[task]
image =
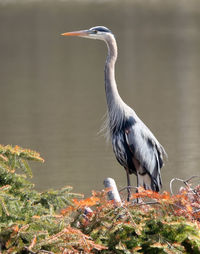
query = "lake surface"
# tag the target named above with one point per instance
(52, 95)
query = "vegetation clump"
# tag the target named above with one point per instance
(59, 221)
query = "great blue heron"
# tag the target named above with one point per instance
(134, 145)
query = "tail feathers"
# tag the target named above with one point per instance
(149, 183)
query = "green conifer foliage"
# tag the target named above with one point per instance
(59, 221)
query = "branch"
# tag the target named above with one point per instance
(183, 181)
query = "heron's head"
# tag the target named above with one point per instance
(97, 32)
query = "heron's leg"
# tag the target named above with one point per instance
(137, 182)
(138, 185)
(128, 184)
(138, 200)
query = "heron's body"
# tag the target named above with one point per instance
(134, 145)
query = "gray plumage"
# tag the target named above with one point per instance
(134, 145)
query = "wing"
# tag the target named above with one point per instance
(122, 152)
(146, 150)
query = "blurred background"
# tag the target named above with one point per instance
(52, 96)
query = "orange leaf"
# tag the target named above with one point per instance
(36, 217)
(189, 208)
(15, 228)
(67, 210)
(86, 202)
(33, 242)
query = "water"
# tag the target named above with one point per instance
(52, 88)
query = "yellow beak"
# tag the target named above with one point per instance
(76, 33)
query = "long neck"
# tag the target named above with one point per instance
(114, 101)
(112, 95)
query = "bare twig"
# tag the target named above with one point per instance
(45, 251)
(148, 203)
(197, 211)
(126, 187)
(38, 252)
(186, 182)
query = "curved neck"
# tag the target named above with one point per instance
(112, 95)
